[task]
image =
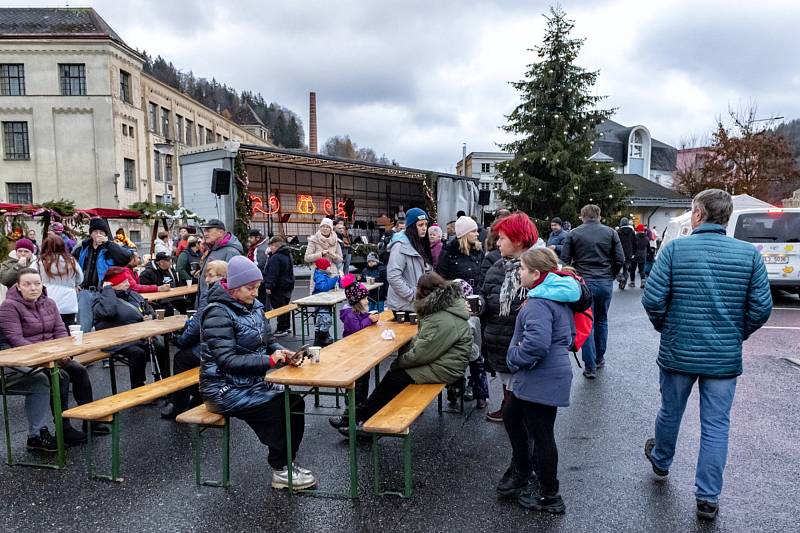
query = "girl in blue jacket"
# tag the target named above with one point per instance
(538, 358)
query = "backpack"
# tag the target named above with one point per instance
(582, 315)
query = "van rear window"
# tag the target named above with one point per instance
(768, 227)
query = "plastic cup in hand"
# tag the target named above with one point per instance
(77, 337)
(160, 314)
(314, 352)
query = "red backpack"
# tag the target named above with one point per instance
(582, 314)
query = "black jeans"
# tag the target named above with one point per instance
(137, 355)
(269, 422)
(637, 263)
(279, 298)
(526, 421)
(185, 360)
(390, 386)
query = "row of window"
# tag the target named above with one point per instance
(71, 77)
(130, 170)
(184, 128)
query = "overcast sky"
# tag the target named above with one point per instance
(414, 79)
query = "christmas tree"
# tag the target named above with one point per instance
(550, 174)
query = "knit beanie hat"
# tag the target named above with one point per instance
(355, 292)
(25, 243)
(372, 256)
(464, 225)
(640, 228)
(101, 224)
(556, 220)
(326, 222)
(466, 288)
(57, 227)
(322, 263)
(242, 271)
(414, 214)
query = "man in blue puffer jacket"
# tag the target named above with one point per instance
(706, 294)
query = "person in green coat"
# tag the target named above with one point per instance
(438, 354)
(190, 255)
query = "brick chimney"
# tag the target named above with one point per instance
(312, 122)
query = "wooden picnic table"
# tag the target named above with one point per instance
(325, 299)
(341, 364)
(47, 353)
(172, 293)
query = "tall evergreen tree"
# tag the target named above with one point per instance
(550, 174)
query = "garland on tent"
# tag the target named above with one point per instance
(429, 188)
(244, 205)
(152, 210)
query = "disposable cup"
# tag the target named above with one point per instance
(74, 328)
(77, 337)
(412, 318)
(160, 314)
(189, 282)
(314, 352)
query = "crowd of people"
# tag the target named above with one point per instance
(497, 301)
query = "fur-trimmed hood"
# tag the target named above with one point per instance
(447, 298)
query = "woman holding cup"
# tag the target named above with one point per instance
(28, 316)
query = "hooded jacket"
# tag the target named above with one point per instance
(236, 342)
(556, 239)
(706, 294)
(184, 265)
(316, 245)
(453, 264)
(119, 308)
(324, 281)
(627, 237)
(538, 356)
(279, 273)
(153, 275)
(442, 348)
(9, 269)
(488, 262)
(61, 289)
(405, 268)
(223, 250)
(95, 263)
(24, 322)
(353, 321)
(379, 273)
(133, 279)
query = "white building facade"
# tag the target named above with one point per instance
(483, 165)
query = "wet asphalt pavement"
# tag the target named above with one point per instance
(605, 479)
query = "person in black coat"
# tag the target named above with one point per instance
(639, 255)
(159, 272)
(279, 281)
(376, 269)
(117, 305)
(628, 239)
(461, 258)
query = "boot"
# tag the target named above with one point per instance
(497, 416)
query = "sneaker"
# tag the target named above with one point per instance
(170, 411)
(512, 483)
(45, 442)
(468, 395)
(360, 433)
(600, 363)
(495, 416)
(281, 333)
(632, 284)
(641, 285)
(659, 473)
(452, 395)
(538, 502)
(707, 510)
(480, 403)
(338, 422)
(589, 373)
(622, 285)
(74, 437)
(301, 478)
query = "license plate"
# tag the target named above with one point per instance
(776, 259)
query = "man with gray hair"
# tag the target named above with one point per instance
(595, 251)
(706, 294)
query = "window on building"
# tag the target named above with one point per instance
(156, 165)
(130, 174)
(486, 167)
(19, 193)
(124, 130)
(225, 139)
(73, 79)
(152, 117)
(12, 79)
(635, 150)
(219, 138)
(15, 141)
(136, 236)
(168, 168)
(165, 122)
(209, 136)
(130, 132)
(159, 199)
(125, 87)
(201, 135)
(179, 128)
(189, 132)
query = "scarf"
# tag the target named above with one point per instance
(512, 288)
(251, 251)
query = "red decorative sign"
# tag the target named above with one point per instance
(258, 205)
(340, 211)
(305, 204)
(327, 207)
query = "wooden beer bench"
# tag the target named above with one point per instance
(202, 419)
(107, 411)
(394, 420)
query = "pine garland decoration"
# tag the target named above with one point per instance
(244, 206)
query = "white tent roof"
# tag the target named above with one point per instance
(745, 201)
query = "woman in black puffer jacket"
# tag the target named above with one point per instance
(238, 349)
(461, 257)
(503, 292)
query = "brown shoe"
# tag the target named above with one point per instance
(497, 416)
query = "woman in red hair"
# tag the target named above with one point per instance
(504, 293)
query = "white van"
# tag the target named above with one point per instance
(775, 232)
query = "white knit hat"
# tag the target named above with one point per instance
(326, 222)
(464, 225)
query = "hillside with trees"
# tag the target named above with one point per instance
(343, 146)
(285, 127)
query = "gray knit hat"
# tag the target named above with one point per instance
(242, 271)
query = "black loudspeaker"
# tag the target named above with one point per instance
(221, 181)
(484, 197)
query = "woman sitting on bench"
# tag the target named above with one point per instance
(238, 349)
(438, 354)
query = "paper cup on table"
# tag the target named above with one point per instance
(400, 316)
(77, 337)
(74, 328)
(314, 352)
(370, 280)
(189, 282)
(160, 314)
(412, 318)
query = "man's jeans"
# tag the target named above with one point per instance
(716, 398)
(86, 300)
(594, 349)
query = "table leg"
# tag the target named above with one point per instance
(61, 460)
(351, 415)
(335, 323)
(287, 409)
(9, 459)
(303, 318)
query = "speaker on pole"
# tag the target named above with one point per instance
(484, 197)
(221, 181)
